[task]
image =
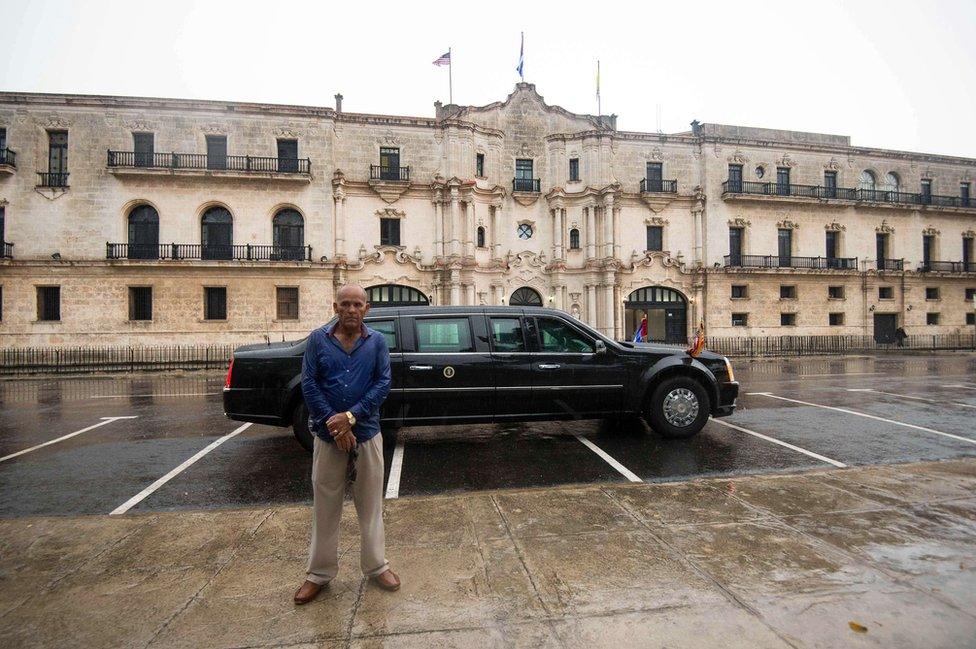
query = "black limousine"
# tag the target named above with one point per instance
(463, 365)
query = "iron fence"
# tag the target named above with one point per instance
(790, 261)
(49, 179)
(245, 252)
(73, 360)
(834, 344)
(380, 172)
(526, 185)
(947, 267)
(246, 163)
(8, 157)
(8, 250)
(844, 193)
(658, 185)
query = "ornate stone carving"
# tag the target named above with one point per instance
(288, 132)
(214, 129)
(390, 213)
(738, 157)
(57, 122)
(835, 227)
(656, 220)
(391, 138)
(739, 222)
(931, 231)
(969, 233)
(786, 161)
(656, 155)
(884, 228)
(787, 224)
(526, 258)
(139, 124)
(832, 164)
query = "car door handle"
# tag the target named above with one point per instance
(420, 368)
(548, 366)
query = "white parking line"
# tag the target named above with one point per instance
(624, 471)
(396, 466)
(127, 396)
(864, 414)
(107, 420)
(816, 456)
(135, 500)
(964, 387)
(908, 396)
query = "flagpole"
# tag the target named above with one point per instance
(450, 77)
(599, 110)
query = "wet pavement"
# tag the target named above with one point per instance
(878, 556)
(170, 438)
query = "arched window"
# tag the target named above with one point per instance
(574, 239)
(289, 235)
(143, 232)
(217, 234)
(525, 296)
(481, 236)
(666, 311)
(892, 182)
(395, 295)
(867, 180)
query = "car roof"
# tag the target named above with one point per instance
(446, 309)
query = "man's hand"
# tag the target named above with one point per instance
(345, 441)
(338, 424)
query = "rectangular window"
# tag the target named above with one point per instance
(506, 335)
(739, 291)
(389, 163)
(931, 292)
(555, 336)
(143, 144)
(735, 246)
(655, 176)
(288, 156)
(931, 318)
(479, 165)
(1, 303)
(523, 176)
(735, 178)
(573, 169)
(831, 247)
(928, 248)
(881, 249)
(835, 319)
(835, 292)
(787, 292)
(389, 232)
(140, 303)
(287, 299)
(926, 190)
(970, 294)
(886, 293)
(783, 181)
(830, 184)
(970, 318)
(3, 138)
(967, 255)
(787, 319)
(655, 237)
(57, 158)
(215, 303)
(785, 239)
(49, 303)
(963, 192)
(216, 152)
(444, 335)
(388, 329)
(740, 319)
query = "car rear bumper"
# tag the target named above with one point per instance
(240, 405)
(727, 394)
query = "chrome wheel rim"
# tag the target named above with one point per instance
(680, 407)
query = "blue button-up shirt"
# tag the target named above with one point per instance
(334, 380)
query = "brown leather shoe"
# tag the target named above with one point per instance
(387, 580)
(307, 592)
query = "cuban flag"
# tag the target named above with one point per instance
(640, 335)
(521, 65)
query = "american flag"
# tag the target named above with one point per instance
(443, 59)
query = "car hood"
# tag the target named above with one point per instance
(674, 350)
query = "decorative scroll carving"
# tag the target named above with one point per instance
(390, 213)
(57, 122)
(969, 233)
(290, 132)
(656, 155)
(214, 129)
(739, 222)
(391, 138)
(787, 224)
(786, 161)
(525, 258)
(738, 157)
(832, 164)
(884, 228)
(656, 220)
(931, 231)
(835, 227)
(140, 124)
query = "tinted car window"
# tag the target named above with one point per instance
(506, 335)
(443, 335)
(557, 336)
(388, 329)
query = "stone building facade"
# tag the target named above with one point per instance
(157, 221)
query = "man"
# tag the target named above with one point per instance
(345, 378)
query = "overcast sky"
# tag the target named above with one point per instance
(890, 74)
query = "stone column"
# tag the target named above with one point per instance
(608, 226)
(557, 234)
(608, 324)
(590, 232)
(591, 305)
(496, 218)
(469, 290)
(698, 237)
(340, 225)
(455, 286)
(469, 224)
(438, 227)
(455, 218)
(618, 328)
(496, 294)
(616, 231)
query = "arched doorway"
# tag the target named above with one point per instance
(395, 295)
(525, 296)
(143, 232)
(666, 310)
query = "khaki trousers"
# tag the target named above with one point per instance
(328, 488)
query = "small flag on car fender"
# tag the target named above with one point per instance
(698, 344)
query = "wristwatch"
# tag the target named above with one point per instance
(351, 418)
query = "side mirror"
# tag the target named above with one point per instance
(601, 347)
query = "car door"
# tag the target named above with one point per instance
(511, 366)
(447, 369)
(572, 379)
(391, 410)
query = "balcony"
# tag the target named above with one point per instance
(734, 188)
(658, 186)
(776, 261)
(392, 174)
(191, 251)
(55, 180)
(947, 267)
(527, 185)
(138, 162)
(8, 161)
(8, 251)
(890, 264)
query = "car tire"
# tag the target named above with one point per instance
(299, 423)
(678, 407)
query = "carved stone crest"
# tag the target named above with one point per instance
(738, 157)
(787, 224)
(884, 228)
(930, 231)
(739, 222)
(656, 220)
(832, 164)
(57, 122)
(391, 138)
(786, 161)
(835, 227)
(213, 129)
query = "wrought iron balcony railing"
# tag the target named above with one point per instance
(890, 264)
(8, 157)
(948, 267)
(8, 250)
(245, 163)
(526, 185)
(844, 193)
(379, 172)
(48, 179)
(656, 185)
(191, 251)
(792, 261)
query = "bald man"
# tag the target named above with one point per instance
(345, 379)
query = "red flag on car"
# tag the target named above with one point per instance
(698, 344)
